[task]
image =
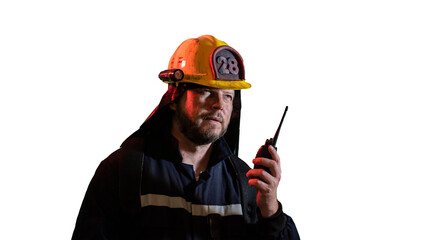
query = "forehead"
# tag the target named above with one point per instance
(218, 90)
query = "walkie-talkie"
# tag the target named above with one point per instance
(263, 150)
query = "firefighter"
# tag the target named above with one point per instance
(179, 176)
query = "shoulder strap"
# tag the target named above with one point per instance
(248, 193)
(130, 181)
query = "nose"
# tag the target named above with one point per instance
(217, 102)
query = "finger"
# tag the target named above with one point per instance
(254, 173)
(271, 164)
(277, 168)
(265, 162)
(260, 174)
(261, 186)
(274, 153)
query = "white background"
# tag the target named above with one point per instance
(78, 77)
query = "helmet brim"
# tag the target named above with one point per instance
(233, 85)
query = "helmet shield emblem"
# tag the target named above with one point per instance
(227, 64)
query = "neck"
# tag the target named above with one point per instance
(193, 154)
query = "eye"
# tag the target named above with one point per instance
(229, 97)
(203, 91)
(206, 91)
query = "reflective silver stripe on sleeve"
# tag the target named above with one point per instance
(194, 209)
(223, 210)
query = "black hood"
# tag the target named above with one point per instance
(162, 115)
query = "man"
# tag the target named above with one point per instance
(178, 176)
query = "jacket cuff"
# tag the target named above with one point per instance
(272, 226)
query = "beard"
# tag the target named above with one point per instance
(195, 132)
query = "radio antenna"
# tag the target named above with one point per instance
(276, 136)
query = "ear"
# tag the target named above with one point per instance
(174, 104)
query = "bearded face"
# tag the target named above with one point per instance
(203, 114)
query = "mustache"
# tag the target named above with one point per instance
(213, 116)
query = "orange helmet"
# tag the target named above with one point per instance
(206, 61)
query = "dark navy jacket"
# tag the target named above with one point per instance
(170, 202)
